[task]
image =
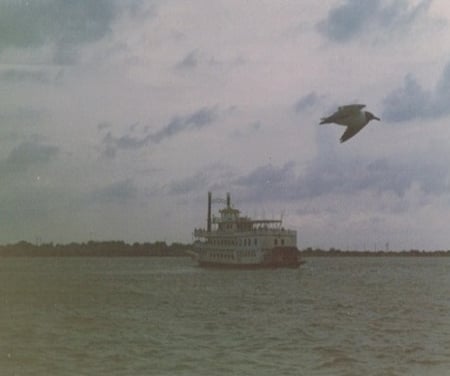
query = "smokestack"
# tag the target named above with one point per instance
(228, 200)
(208, 228)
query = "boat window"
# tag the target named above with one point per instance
(276, 242)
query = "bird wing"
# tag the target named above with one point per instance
(350, 108)
(350, 132)
(343, 113)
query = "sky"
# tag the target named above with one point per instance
(118, 116)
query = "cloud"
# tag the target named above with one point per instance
(112, 144)
(353, 18)
(21, 116)
(307, 101)
(330, 175)
(202, 61)
(270, 182)
(103, 125)
(411, 101)
(340, 175)
(189, 184)
(199, 119)
(27, 155)
(190, 61)
(334, 175)
(441, 98)
(117, 192)
(348, 19)
(27, 75)
(246, 132)
(33, 23)
(65, 25)
(26, 205)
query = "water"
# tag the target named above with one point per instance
(152, 316)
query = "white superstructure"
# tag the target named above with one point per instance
(231, 240)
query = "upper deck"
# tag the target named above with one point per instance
(230, 223)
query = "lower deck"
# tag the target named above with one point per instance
(249, 259)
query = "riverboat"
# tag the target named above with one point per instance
(240, 242)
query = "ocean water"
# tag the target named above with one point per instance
(166, 316)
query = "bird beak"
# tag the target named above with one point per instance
(376, 118)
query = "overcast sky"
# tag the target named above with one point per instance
(118, 116)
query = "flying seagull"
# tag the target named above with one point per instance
(352, 117)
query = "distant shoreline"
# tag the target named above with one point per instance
(161, 249)
(411, 253)
(95, 249)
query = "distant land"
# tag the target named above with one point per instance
(161, 249)
(333, 252)
(95, 249)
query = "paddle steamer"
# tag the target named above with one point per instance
(234, 241)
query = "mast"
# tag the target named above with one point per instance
(208, 227)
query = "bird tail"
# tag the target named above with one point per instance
(323, 120)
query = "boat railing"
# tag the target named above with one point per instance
(201, 232)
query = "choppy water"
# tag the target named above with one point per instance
(149, 316)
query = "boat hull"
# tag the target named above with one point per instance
(287, 257)
(215, 265)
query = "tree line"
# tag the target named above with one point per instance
(162, 249)
(334, 252)
(94, 249)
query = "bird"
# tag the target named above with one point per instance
(352, 117)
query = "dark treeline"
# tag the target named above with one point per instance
(94, 249)
(161, 249)
(332, 252)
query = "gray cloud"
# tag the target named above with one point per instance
(112, 144)
(117, 192)
(411, 101)
(356, 17)
(307, 101)
(189, 184)
(213, 177)
(197, 120)
(27, 155)
(103, 125)
(21, 116)
(346, 176)
(328, 175)
(27, 75)
(246, 131)
(270, 182)
(406, 103)
(190, 61)
(441, 100)
(337, 175)
(26, 205)
(348, 19)
(64, 24)
(32, 23)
